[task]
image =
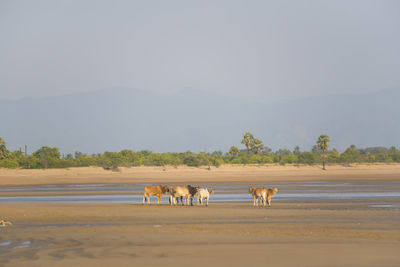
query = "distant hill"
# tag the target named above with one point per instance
(193, 120)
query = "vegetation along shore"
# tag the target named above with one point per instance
(255, 152)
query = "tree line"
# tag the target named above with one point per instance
(254, 152)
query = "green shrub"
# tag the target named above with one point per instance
(9, 163)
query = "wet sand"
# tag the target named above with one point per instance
(340, 232)
(313, 233)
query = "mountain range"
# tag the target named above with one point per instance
(123, 118)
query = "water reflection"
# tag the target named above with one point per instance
(225, 192)
(214, 198)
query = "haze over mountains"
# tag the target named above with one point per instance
(121, 118)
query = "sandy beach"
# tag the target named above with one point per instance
(340, 232)
(183, 174)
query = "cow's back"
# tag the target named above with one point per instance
(203, 193)
(153, 189)
(178, 190)
(259, 191)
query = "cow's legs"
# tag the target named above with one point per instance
(144, 198)
(174, 200)
(207, 202)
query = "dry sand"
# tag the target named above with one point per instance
(266, 173)
(290, 233)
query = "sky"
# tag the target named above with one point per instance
(259, 50)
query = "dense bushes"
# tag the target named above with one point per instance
(50, 157)
(8, 163)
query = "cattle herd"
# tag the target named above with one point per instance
(186, 194)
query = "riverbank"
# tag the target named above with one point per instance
(183, 174)
(311, 233)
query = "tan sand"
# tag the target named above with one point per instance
(223, 234)
(267, 173)
(290, 233)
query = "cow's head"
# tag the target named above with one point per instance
(193, 190)
(165, 189)
(210, 190)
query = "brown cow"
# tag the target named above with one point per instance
(267, 194)
(154, 190)
(256, 193)
(264, 193)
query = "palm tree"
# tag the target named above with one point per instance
(258, 146)
(323, 145)
(248, 140)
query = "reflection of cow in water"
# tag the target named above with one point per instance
(154, 190)
(179, 192)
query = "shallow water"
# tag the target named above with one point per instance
(75, 188)
(214, 198)
(136, 188)
(384, 206)
(224, 192)
(10, 245)
(5, 243)
(23, 244)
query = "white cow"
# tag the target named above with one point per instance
(204, 193)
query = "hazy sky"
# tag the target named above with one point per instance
(262, 50)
